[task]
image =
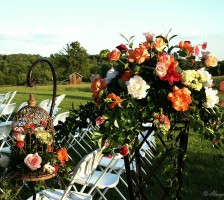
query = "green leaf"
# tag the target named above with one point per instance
(124, 37)
(172, 37)
(116, 123)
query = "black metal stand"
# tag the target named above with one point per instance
(30, 81)
(138, 192)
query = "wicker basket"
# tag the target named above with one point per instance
(37, 177)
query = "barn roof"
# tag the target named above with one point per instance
(76, 74)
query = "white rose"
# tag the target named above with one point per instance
(137, 87)
(110, 75)
(211, 98)
(48, 168)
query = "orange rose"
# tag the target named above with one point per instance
(114, 55)
(62, 155)
(211, 61)
(96, 87)
(180, 98)
(160, 44)
(187, 46)
(165, 58)
(144, 45)
(221, 87)
(138, 55)
(116, 100)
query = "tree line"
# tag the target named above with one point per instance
(72, 58)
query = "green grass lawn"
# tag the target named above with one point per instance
(75, 94)
(204, 164)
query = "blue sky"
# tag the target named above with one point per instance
(45, 26)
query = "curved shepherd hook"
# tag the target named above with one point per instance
(30, 81)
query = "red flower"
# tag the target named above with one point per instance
(99, 120)
(221, 103)
(56, 169)
(43, 123)
(20, 144)
(123, 150)
(50, 148)
(172, 76)
(221, 87)
(122, 47)
(204, 45)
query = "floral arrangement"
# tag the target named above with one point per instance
(33, 149)
(169, 86)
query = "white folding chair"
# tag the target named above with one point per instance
(60, 117)
(2, 98)
(7, 111)
(43, 104)
(119, 166)
(84, 169)
(58, 100)
(92, 179)
(8, 99)
(5, 129)
(22, 105)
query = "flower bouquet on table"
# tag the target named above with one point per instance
(169, 86)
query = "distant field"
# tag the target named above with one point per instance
(75, 94)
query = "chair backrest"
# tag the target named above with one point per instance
(60, 117)
(7, 111)
(5, 129)
(2, 98)
(44, 103)
(85, 168)
(22, 105)
(6, 98)
(9, 97)
(58, 100)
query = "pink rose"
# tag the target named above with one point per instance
(123, 150)
(18, 129)
(196, 50)
(33, 161)
(99, 120)
(149, 36)
(18, 136)
(161, 122)
(161, 69)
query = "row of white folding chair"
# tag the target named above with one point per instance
(5, 130)
(6, 112)
(86, 175)
(60, 118)
(145, 151)
(6, 99)
(58, 101)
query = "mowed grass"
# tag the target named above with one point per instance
(204, 164)
(75, 94)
